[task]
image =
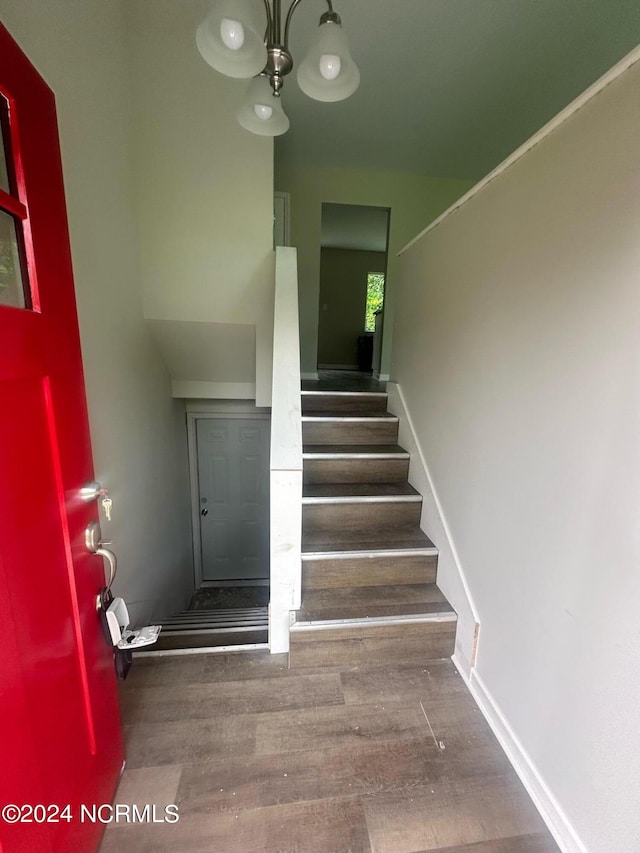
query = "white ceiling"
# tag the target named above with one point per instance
(450, 87)
(354, 226)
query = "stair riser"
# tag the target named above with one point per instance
(389, 644)
(338, 404)
(363, 517)
(367, 571)
(350, 432)
(371, 602)
(355, 470)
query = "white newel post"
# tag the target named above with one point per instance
(286, 454)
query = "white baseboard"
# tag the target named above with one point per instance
(457, 591)
(311, 376)
(550, 809)
(451, 577)
(381, 377)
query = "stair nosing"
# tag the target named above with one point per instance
(361, 419)
(242, 629)
(149, 652)
(361, 499)
(368, 622)
(309, 454)
(370, 553)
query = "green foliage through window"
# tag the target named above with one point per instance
(375, 298)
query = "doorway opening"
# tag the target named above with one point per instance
(353, 263)
(229, 482)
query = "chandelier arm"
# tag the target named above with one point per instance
(267, 35)
(292, 9)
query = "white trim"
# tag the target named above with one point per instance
(375, 622)
(425, 467)
(550, 809)
(617, 71)
(369, 554)
(246, 408)
(204, 650)
(396, 397)
(286, 210)
(182, 388)
(381, 377)
(311, 376)
(192, 454)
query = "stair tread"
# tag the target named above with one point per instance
(385, 539)
(348, 490)
(355, 449)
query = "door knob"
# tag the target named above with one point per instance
(204, 512)
(94, 545)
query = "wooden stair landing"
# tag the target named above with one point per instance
(368, 570)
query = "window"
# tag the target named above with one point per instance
(14, 283)
(375, 299)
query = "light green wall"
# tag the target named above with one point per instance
(414, 201)
(343, 296)
(204, 187)
(518, 355)
(137, 429)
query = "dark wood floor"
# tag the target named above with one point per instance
(262, 759)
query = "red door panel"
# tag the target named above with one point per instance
(60, 737)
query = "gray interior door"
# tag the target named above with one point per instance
(233, 494)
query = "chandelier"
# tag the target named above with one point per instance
(232, 42)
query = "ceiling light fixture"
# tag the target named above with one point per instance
(230, 40)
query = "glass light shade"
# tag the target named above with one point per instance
(237, 51)
(261, 112)
(316, 73)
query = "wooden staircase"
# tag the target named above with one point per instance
(368, 571)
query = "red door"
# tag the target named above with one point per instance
(60, 738)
